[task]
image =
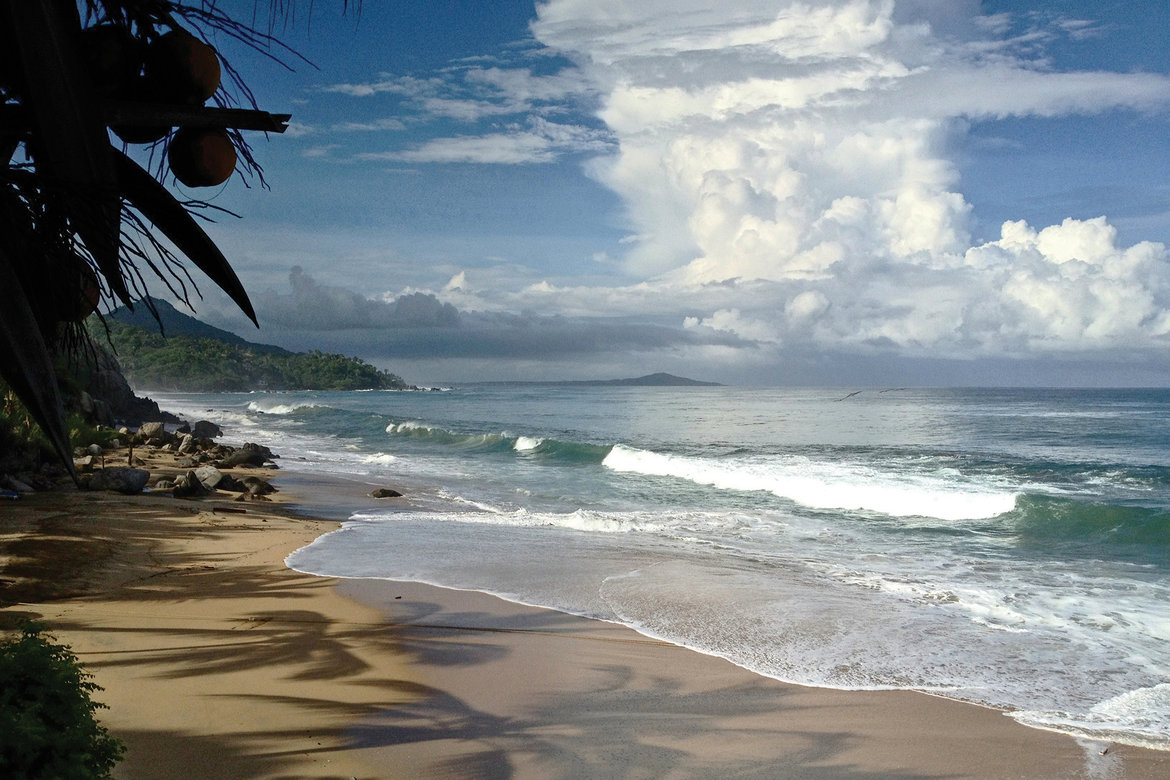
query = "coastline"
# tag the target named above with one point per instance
(218, 660)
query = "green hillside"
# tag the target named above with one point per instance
(186, 363)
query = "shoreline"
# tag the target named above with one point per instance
(216, 659)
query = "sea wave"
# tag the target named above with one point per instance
(945, 495)
(502, 441)
(269, 406)
(1090, 529)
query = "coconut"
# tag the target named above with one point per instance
(182, 68)
(82, 293)
(201, 157)
(114, 57)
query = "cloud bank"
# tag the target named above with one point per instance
(801, 151)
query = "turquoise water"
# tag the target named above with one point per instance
(1007, 547)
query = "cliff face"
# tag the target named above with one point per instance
(95, 387)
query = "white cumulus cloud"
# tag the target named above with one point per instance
(800, 152)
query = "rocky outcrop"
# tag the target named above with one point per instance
(104, 397)
(385, 493)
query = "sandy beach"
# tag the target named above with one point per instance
(216, 660)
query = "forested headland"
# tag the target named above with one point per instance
(185, 363)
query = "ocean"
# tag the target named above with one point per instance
(1005, 547)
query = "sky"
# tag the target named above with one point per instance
(823, 192)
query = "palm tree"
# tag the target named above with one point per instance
(80, 221)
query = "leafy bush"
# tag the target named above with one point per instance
(47, 724)
(21, 439)
(22, 443)
(82, 434)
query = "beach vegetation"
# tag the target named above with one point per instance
(48, 727)
(22, 441)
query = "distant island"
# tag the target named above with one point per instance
(199, 358)
(659, 379)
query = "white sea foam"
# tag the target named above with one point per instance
(527, 443)
(1140, 717)
(827, 485)
(269, 406)
(380, 459)
(406, 427)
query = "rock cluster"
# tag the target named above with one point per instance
(195, 450)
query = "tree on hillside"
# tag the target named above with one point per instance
(81, 222)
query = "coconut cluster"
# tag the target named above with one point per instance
(174, 69)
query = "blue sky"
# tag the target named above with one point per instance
(856, 192)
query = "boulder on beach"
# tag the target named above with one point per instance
(206, 430)
(256, 486)
(210, 476)
(249, 455)
(189, 486)
(385, 493)
(119, 479)
(231, 483)
(15, 484)
(152, 433)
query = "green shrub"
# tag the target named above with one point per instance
(82, 434)
(47, 724)
(21, 439)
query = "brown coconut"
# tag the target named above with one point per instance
(201, 157)
(114, 57)
(82, 292)
(182, 69)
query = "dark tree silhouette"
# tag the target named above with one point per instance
(81, 222)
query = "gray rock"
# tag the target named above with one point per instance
(206, 430)
(94, 449)
(210, 476)
(188, 486)
(186, 443)
(257, 487)
(120, 479)
(152, 433)
(251, 455)
(231, 483)
(385, 493)
(13, 483)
